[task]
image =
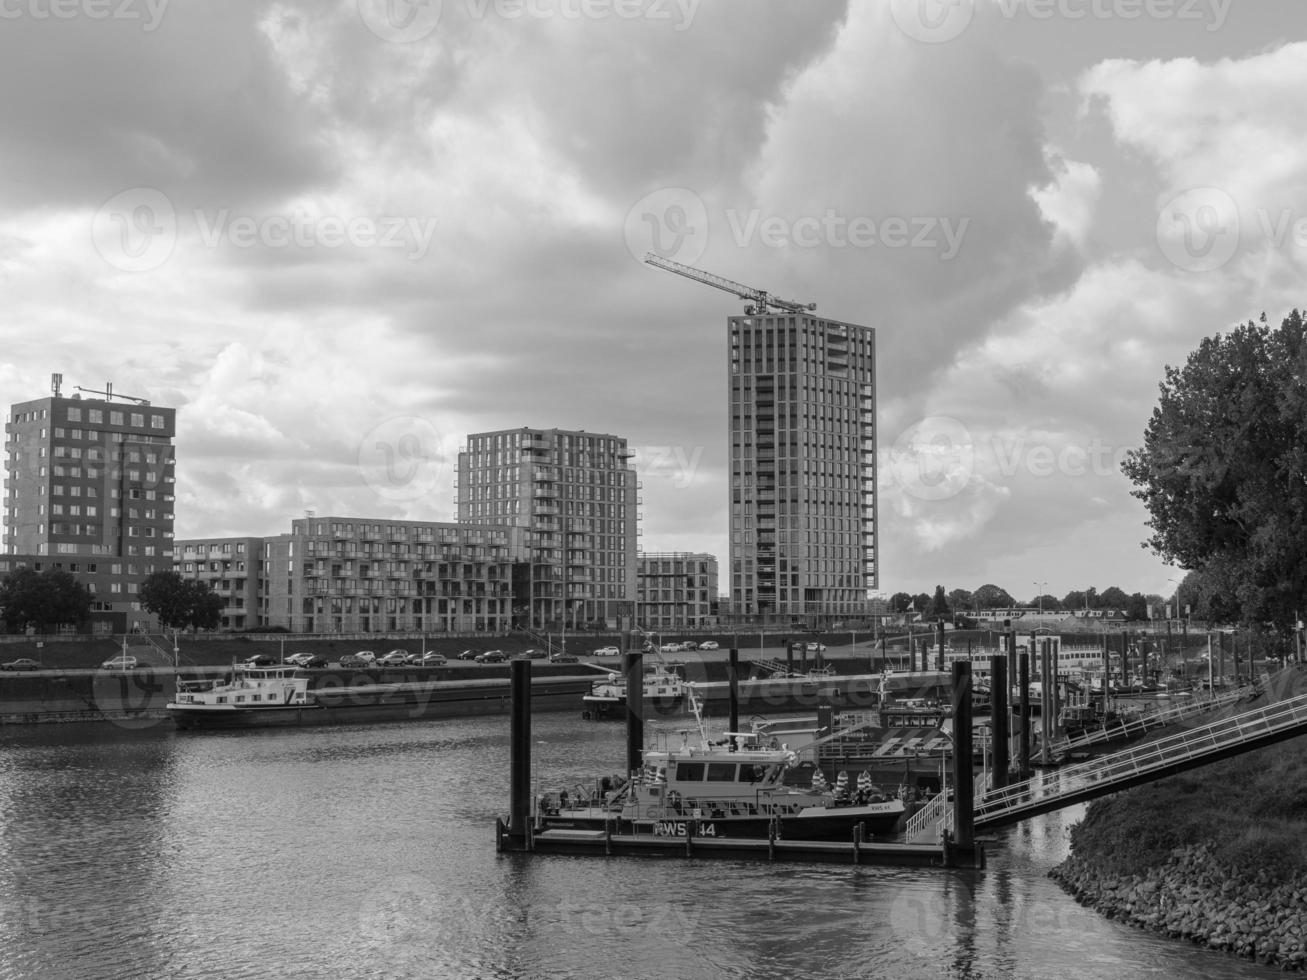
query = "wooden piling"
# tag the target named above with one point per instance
(519, 749)
(634, 711)
(1023, 683)
(733, 685)
(1001, 717)
(964, 786)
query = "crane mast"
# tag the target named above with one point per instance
(109, 393)
(759, 300)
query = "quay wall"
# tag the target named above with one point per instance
(1193, 897)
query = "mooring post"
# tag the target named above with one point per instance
(1002, 720)
(964, 777)
(519, 749)
(1125, 659)
(634, 711)
(939, 641)
(912, 653)
(1010, 641)
(1023, 685)
(789, 657)
(1044, 701)
(1107, 674)
(733, 687)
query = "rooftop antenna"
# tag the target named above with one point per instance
(55, 381)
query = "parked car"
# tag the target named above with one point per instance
(367, 656)
(433, 659)
(671, 648)
(259, 660)
(533, 654)
(709, 645)
(120, 663)
(608, 652)
(354, 661)
(395, 658)
(818, 647)
(314, 661)
(689, 645)
(468, 655)
(563, 658)
(491, 657)
(22, 663)
(302, 658)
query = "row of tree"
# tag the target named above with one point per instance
(47, 600)
(959, 602)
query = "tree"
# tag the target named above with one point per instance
(1136, 607)
(921, 603)
(992, 597)
(181, 603)
(1223, 467)
(43, 600)
(938, 608)
(899, 602)
(960, 600)
(1113, 598)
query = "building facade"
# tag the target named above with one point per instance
(363, 575)
(90, 486)
(675, 589)
(573, 494)
(803, 517)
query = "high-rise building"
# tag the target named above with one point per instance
(575, 494)
(803, 466)
(92, 478)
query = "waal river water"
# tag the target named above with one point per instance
(368, 851)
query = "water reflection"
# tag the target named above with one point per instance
(368, 851)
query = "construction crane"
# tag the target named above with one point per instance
(109, 394)
(759, 300)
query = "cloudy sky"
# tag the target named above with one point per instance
(339, 235)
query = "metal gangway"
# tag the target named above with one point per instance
(1139, 724)
(1054, 789)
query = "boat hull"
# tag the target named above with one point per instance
(817, 824)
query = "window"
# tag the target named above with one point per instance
(74, 414)
(138, 420)
(156, 421)
(115, 418)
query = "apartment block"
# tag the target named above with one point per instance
(574, 496)
(90, 485)
(803, 519)
(676, 589)
(231, 567)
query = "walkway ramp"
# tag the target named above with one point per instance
(1055, 789)
(1140, 724)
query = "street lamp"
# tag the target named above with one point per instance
(1041, 586)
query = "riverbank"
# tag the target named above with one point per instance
(1217, 856)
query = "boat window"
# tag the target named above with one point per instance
(753, 774)
(222, 700)
(721, 772)
(689, 771)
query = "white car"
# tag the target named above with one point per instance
(608, 652)
(120, 663)
(367, 656)
(709, 645)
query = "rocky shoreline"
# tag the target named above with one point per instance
(1192, 897)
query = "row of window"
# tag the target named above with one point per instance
(96, 417)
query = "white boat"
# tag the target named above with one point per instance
(663, 691)
(732, 787)
(248, 696)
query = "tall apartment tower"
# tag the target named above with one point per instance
(90, 488)
(803, 466)
(575, 494)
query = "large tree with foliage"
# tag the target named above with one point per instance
(939, 608)
(181, 603)
(43, 600)
(1223, 467)
(992, 597)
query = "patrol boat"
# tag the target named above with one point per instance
(732, 787)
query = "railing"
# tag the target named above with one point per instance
(1105, 774)
(931, 821)
(1126, 727)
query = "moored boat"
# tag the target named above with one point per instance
(247, 697)
(732, 787)
(663, 690)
